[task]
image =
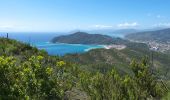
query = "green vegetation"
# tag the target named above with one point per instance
(85, 38)
(94, 60)
(27, 73)
(31, 74)
(111, 86)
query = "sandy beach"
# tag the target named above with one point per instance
(118, 47)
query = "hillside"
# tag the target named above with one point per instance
(85, 38)
(157, 36)
(94, 60)
(31, 74)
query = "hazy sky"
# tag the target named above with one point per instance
(65, 15)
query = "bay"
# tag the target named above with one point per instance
(62, 48)
(42, 41)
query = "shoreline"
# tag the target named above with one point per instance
(118, 47)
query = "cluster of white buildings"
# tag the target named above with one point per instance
(159, 46)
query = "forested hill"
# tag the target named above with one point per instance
(85, 38)
(31, 74)
(104, 60)
(158, 36)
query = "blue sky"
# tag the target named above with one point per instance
(67, 15)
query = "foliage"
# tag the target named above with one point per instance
(29, 79)
(104, 60)
(111, 86)
(29, 73)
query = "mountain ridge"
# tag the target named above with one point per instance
(85, 38)
(162, 35)
(103, 60)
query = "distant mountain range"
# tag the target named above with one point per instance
(158, 36)
(85, 38)
(121, 33)
(111, 31)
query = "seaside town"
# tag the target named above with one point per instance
(156, 46)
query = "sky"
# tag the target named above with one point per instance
(67, 15)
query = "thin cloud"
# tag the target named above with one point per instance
(162, 25)
(102, 26)
(127, 25)
(5, 27)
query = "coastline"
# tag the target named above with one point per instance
(118, 47)
(64, 48)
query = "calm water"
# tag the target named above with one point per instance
(41, 41)
(61, 48)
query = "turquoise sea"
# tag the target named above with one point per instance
(62, 48)
(41, 41)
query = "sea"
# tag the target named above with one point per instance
(41, 40)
